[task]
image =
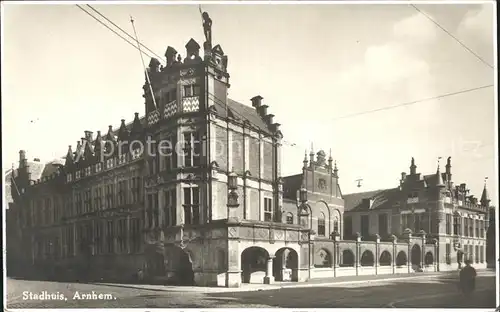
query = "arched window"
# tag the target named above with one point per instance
(336, 225)
(289, 218)
(321, 224)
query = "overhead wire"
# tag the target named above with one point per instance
(452, 36)
(126, 33)
(412, 102)
(116, 33)
(220, 102)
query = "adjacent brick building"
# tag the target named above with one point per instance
(432, 205)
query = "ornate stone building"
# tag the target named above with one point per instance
(192, 193)
(430, 206)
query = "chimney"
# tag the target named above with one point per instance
(269, 119)
(256, 101)
(262, 110)
(22, 158)
(403, 176)
(36, 159)
(276, 127)
(88, 136)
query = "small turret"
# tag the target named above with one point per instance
(439, 178)
(305, 161)
(69, 157)
(335, 170)
(485, 197)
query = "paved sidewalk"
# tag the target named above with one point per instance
(347, 280)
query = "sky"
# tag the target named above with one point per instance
(314, 64)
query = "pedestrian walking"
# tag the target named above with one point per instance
(468, 278)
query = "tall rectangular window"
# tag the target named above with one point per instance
(149, 211)
(135, 235)
(471, 231)
(347, 226)
(110, 194)
(466, 226)
(78, 203)
(476, 254)
(136, 190)
(122, 236)
(170, 207)
(365, 226)
(109, 237)
(448, 253)
(416, 222)
(289, 218)
(122, 195)
(448, 223)
(476, 223)
(167, 151)
(268, 209)
(321, 225)
(481, 228)
(192, 149)
(191, 205)
(383, 224)
(456, 225)
(404, 222)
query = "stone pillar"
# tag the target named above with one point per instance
(269, 278)
(358, 252)
(377, 253)
(422, 256)
(394, 253)
(233, 274)
(409, 262)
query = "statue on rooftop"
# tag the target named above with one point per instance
(207, 27)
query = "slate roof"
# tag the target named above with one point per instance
(383, 199)
(431, 179)
(242, 112)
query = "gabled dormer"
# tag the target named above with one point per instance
(192, 52)
(69, 163)
(137, 130)
(98, 144)
(110, 142)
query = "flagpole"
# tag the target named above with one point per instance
(143, 65)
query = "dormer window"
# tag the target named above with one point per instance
(109, 163)
(191, 90)
(122, 159)
(136, 153)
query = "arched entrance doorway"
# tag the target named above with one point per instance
(285, 265)
(177, 265)
(416, 255)
(254, 265)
